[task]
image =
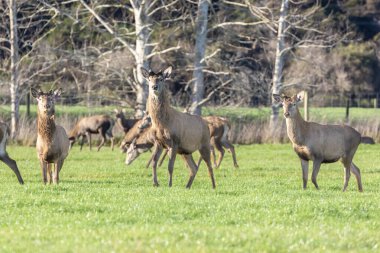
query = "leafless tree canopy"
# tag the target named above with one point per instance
(91, 48)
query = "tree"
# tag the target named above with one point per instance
(200, 48)
(279, 62)
(14, 87)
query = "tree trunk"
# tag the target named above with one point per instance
(279, 62)
(142, 50)
(200, 48)
(14, 69)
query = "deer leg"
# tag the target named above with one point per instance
(12, 165)
(112, 144)
(88, 135)
(163, 158)
(228, 145)
(48, 172)
(149, 161)
(102, 134)
(316, 167)
(156, 155)
(172, 155)
(347, 171)
(205, 153)
(58, 167)
(305, 172)
(43, 170)
(356, 172)
(219, 147)
(192, 167)
(81, 142)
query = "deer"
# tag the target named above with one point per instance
(97, 124)
(4, 157)
(52, 141)
(124, 123)
(219, 128)
(139, 141)
(176, 131)
(320, 143)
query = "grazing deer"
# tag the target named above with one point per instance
(176, 131)
(137, 140)
(124, 123)
(97, 124)
(4, 134)
(52, 141)
(320, 143)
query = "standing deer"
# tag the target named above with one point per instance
(4, 134)
(142, 141)
(320, 143)
(124, 123)
(52, 141)
(97, 124)
(219, 128)
(176, 131)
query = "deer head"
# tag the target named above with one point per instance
(46, 101)
(289, 104)
(156, 80)
(132, 153)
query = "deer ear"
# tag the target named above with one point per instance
(116, 110)
(277, 98)
(167, 72)
(34, 92)
(145, 72)
(300, 97)
(57, 93)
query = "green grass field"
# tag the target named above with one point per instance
(103, 206)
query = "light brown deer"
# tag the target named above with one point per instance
(124, 123)
(320, 143)
(176, 131)
(219, 128)
(52, 141)
(4, 134)
(142, 141)
(97, 124)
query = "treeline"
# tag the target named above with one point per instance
(333, 47)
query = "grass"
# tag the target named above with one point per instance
(103, 206)
(329, 114)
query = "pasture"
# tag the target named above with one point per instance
(102, 206)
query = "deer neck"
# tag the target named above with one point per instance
(158, 108)
(296, 128)
(46, 127)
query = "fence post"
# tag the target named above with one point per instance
(348, 109)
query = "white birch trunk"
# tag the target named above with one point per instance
(14, 69)
(142, 37)
(279, 61)
(200, 48)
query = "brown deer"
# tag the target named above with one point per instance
(176, 131)
(142, 141)
(320, 143)
(219, 128)
(97, 124)
(4, 134)
(52, 141)
(137, 140)
(124, 123)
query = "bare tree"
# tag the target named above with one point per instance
(279, 61)
(14, 87)
(200, 48)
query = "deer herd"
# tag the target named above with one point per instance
(169, 132)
